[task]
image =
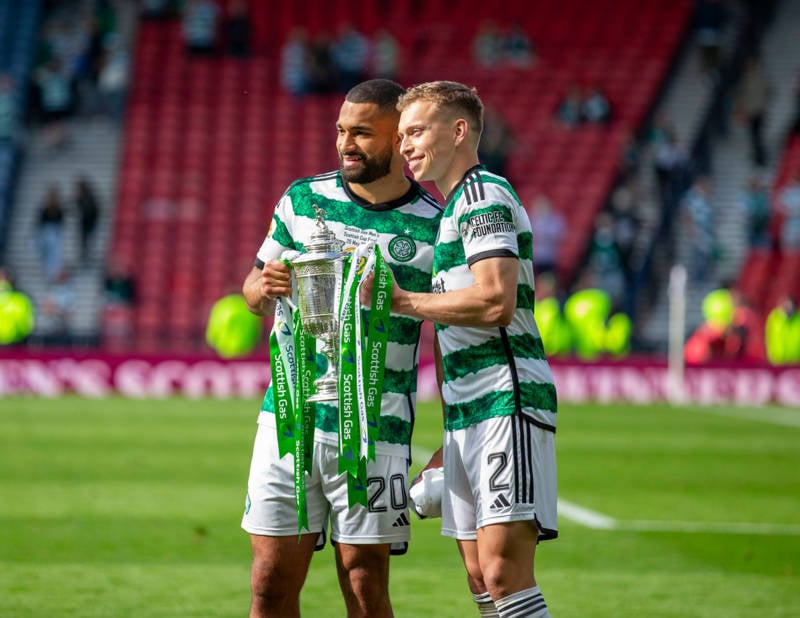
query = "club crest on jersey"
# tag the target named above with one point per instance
(402, 248)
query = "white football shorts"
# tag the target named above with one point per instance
(270, 505)
(500, 470)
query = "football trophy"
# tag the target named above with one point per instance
(319, 273)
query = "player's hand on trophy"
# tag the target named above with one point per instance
(367, 284)
(276, 280)
(365, 292)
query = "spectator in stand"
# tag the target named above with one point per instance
(55, 89)
(493, 47)
(744, 340)
(56, 309)
(549, 229)
(118, 285)
(569, 111)
(698, 214)
(322, 70)
(199, 27)
(237, 29)
(751, 106)
(351, 55)
(626, 225)
(487, 46)
(709, 21)
(517, 47)
(496, 142)
(605, 260)
(113, 80)
(670, 161)
(295, 77)
(88, 207)
(754, 205)
(385, 60)
(50, 235)
(8, 108)
(789, 209)
(631, 156)
(595, 106)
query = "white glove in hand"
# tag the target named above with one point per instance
(426, 493)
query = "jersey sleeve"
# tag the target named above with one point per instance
(488, 228)
(279, 236)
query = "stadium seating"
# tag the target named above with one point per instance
(211, 143)
(769, 274)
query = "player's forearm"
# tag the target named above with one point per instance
(468, 307)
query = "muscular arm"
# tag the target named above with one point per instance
(490, 301)
(262, 287)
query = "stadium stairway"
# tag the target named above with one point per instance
(731, 168)
(91, 150)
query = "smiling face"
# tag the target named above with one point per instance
(428, 140)
(367, 142)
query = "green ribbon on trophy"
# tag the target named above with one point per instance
(349, 426)
(305, 416)
(372, 361)
(293, 367)
(283, 369)
(361, 369)
(328, 309)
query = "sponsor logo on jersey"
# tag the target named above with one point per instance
(437, 286)
(488, 223)
(402, 248)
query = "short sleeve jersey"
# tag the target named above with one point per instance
(405, 230)
(490, 371)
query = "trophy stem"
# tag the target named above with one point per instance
(327, 385)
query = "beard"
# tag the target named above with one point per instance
(372, 168)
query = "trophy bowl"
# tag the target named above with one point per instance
(319, 273)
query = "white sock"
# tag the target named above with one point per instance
(527, 603)
(486, 608)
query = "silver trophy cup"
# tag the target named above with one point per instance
(319, 273)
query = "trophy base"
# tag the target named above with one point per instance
(327, 390)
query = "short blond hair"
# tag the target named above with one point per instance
(448, 96)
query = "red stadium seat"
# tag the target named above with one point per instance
(210, 144)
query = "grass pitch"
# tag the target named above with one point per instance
(126, 508)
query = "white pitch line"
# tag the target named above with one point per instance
(786, 417)
(585, 517)
(714, 527)
(598, 521)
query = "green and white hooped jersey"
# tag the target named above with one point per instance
(405, 230)
(490, 371)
